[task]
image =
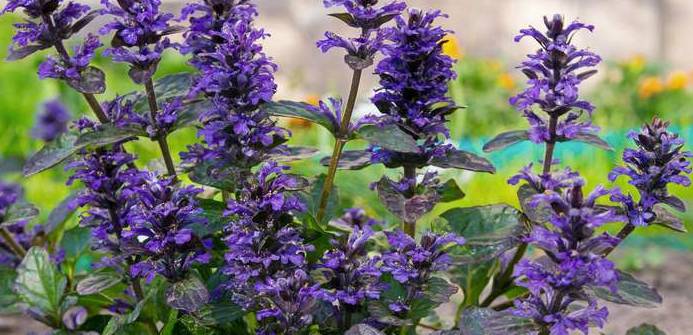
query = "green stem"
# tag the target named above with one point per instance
(622, 235)
(504, 282)
(409, 227)
(341, 139)
(14, 246)
(139, 293)
(161, 138)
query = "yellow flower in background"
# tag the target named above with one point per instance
(451, 47)
(506, 81)
(313, 100)
(649, 87)
(678, 80)
(636, 63)
(295, 123)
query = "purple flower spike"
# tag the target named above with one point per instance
(140, 35)
(369, 17)
(658, 161)
(291, 304)
(51, 122)
(414, 76)
(555, 72)
(575, 255)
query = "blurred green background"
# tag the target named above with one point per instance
(627, 93)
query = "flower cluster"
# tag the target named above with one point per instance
(49, 24)
(412, 264)
(351, 276)
(575, 260)
(369, 17)
(292, 300)
(262, 241)
(658, 161)
(414, 77)
(201, 36)
(122, 113)
(107, 179)
(160, 228)
(237, 77)
(9, 193)
(51, 122)
(140, 35)
(555, 72)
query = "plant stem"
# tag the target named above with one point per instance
(503, 283)
(410, 174)
(625, 232)
(16, 247)
(161, 138)
(139, 293)
(550, 144)
(341, 139)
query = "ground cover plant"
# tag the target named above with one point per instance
(224, 238)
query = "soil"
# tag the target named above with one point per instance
(673, 279)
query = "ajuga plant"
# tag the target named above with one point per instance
(224, 238)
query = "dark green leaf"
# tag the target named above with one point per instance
(472, 278)
(108, 134)
(7, 278)
(505, 140)
(631, 291)
(60, 213)
(345, 17)
(363, 329)
(389, 137)
(450, 191)
(190, 113)
(173, 85)
(675, 203)
(311, 197)
(458, 159)
(484, 321)
(39, 284)
(489, 230)
(75, 241)
(664, 218)
(118, 322)
(298, 110)
(213, 212)
(294, 154)
(52, 154)
(220, 313)
(593, 140)
(351, 160)
(208, 174)
(98, 282)
(189, 294)
(20, 211)
(645, 329)
(170, 325)
(91, 81)
(84, 21)
(438, 290)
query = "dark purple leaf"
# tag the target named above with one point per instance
(665, 218)
(292, 154)
(108, 134)
(23, 52)
(631, 291)
(675, 203)
(389, 137)
(363, 329)
(83, 22)
(358, 63)
(591, 139)
(91, 81)
(346, 18)
(299, 110)
(141, 75)
(52, 154)
(458, 159)
(541, 213)
(351, 160)
(60, 213)
(484, 321)
(505, 140)
(18, 212)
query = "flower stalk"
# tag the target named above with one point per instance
(161, 135)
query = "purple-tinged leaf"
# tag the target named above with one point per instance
(108, 134)
(294, 154)
(675, 203)
(346, 18)
(83, 22)
(631, 291)
(189, 114)
(98, 282)
(52, 154)
(438, 290)
(363, 329)
(23, 52)
(39, 284)
(60, 213)
(389, 137)
(208, 174)
(351, 160)
(299, 110)
(188, 295)
(665, 218)
(484, 321)
(406, 209)
(18, 212)
(590, 139)
(541, 213)
(358, 63)
(458, 159)
(505, 140)
(74, 317)
(91, 81)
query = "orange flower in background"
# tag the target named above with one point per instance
(295, 123)
(636, 63)
(650, 86)
(678, 80)
(506, 81)
(451, 47)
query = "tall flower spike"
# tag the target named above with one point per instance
(369, 17)
(160, 229)
(574, 260)
(658, 160)
(555, 72)
(237, 77)
(414, 77)
(261, 237)
(140, 35)
(51, 122)
(291, 302)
